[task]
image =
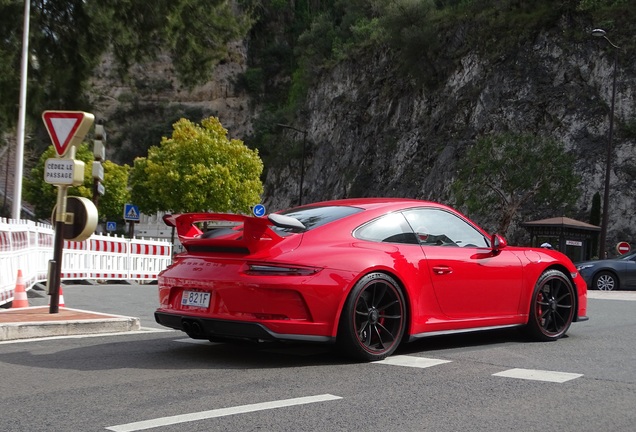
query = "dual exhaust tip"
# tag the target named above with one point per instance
(193, 328)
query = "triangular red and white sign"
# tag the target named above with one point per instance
(66, 128)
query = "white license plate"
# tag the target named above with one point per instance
(195, 298)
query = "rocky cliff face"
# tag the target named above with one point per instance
(151, 93)
(370, 133)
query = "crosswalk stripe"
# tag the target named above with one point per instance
(518, 373)
(538, 375)
(412, 361)
(221, 412)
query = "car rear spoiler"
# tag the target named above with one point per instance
(255, 233)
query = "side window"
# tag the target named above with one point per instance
(391, 228)
(437, 227)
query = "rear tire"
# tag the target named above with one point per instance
(553, 306)
(373, 320)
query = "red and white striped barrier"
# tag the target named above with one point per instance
(28, 246)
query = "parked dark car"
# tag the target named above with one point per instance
(610, 274)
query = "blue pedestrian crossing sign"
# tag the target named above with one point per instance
(259, 210)
(131, 213)
(111, 226)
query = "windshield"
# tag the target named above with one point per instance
(313, 217)
(630, 257)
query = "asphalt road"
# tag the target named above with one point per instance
(487, 381)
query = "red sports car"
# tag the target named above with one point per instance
(366, 274)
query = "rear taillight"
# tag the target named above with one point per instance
(279, 270)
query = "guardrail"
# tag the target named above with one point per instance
(28, 246)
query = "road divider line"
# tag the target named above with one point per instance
(412, 361)
(538, 375)
(221, 412)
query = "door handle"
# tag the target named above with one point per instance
(442, 270)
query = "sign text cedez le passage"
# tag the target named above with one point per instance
(58, 169)
(63, 171)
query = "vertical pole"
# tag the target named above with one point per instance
(58, 249)
(608, 163)
(95, 192)
(19, 154)
(302, 170)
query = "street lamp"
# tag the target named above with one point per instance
(19, 154)
(302, 164)
(608, 162)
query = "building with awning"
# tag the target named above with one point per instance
(578, 240)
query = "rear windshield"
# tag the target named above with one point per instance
(313, 217)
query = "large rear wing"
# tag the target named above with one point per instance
(242, 234)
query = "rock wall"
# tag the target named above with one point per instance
(370, 133)
(154, 84)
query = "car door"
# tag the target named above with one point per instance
(470, 281)
(627, 271)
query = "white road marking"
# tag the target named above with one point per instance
(612, 295)
(539, 375)
(412, 361)
(221, 412)
(194, 341)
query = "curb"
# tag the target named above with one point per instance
(91, 323)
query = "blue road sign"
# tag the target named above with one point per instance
(259, 210)
(131, 213)
(111, 226)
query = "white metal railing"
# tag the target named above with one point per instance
(28, 246)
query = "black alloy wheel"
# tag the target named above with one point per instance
(374, 318)
(553, 306)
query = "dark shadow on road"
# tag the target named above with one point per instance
(462, 341)
(174, 350)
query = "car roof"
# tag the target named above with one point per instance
(376, 203)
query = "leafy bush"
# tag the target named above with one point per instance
(197, 169)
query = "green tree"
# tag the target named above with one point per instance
(43, 196)
(507, 172)
(197, 169)
(117, 193)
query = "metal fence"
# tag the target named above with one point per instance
(28, 246)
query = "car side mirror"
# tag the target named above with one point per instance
(498, 242)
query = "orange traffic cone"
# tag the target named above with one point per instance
(61, 302)
(61, 298)
(20, 299)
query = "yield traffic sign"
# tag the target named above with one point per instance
(67, 128)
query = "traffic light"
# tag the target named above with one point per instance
(99, 152)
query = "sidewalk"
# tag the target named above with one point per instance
(37, 322)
